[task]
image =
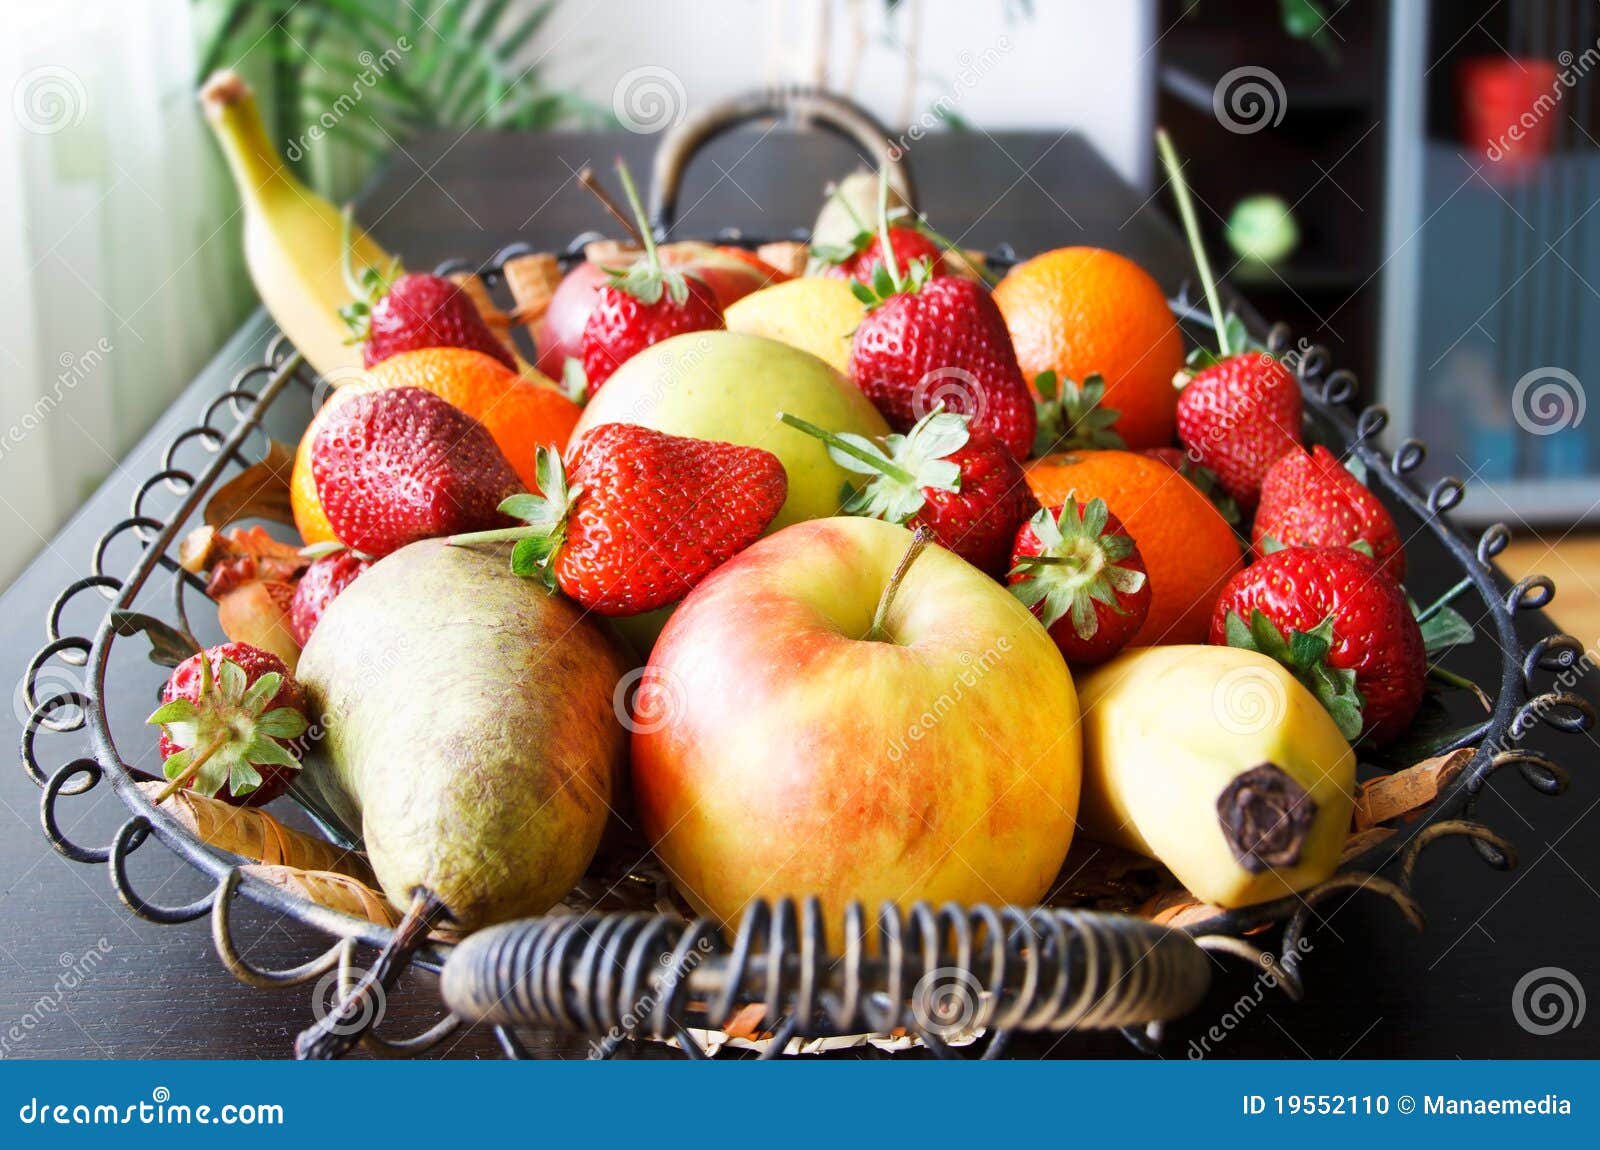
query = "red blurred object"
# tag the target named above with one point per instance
(1509, 110)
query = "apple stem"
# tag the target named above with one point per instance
(593, 187)
(919, 542)
(889, 262)
(1191, 228)
(181, 779)
(637, 205)
(839, 443)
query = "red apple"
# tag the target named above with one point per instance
(730, 273)
(796, 746)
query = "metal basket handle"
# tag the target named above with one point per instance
(806, 105)
(939, 973)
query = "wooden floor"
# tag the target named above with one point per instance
(1574, 564)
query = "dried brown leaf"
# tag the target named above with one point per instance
(260, 491)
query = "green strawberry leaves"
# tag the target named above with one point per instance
(1235, 338)
(229, 733)
(1076, 567)
(647, 282)
(903, 468)
(884, 287)
(1305, 654)
(1071, 415)
(544, 517)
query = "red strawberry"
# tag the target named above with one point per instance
(861, 258)
(1336, 619)
(1237, 417)
(642, 305)
(320, 585)
(1312, 500)
(960, 483)
(401, 464)
(931, 341)
(1082, 575)
(418, 311)
(226, 720)
(643, 518)
(1204, 479)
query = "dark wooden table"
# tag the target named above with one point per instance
(81, 977)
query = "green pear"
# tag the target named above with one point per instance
(467, 729)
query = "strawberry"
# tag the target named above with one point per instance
(643, 517)
(1340, 622)
(1310, 499)
(1204, 479)
(1071, 416)
(860, 259)
(226, 718)
(418, 311)
(1080, 572)
(1238, 410)
(401, 464)
(320, 585)
(1237, 416)
(642, 305)
(928, 341)
(959, 482)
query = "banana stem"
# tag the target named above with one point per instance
(637, 206)
(181, 779)
(1191, 228)
(840, 443)
(919, 543)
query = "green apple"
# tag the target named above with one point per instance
(812, 735)
(729, 387)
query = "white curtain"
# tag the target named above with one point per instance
(120, 253)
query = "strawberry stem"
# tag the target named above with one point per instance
(637, 205)
(497, 535)
(919, 542)
(1191, 228)
(891, 264)
(839, 443)
(1443, 601)
(183, 777)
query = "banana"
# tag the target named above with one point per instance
(1220, 764)
(294, 240)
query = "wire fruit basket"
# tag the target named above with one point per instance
(614, 970)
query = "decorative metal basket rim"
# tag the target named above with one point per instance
(1518, 706)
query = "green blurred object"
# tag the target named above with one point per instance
(345, 82)
(1262, 228)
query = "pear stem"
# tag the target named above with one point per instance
(919, 542)
(181, 779)
(1191, 228)
(840, 443)
(891, 264)
(592, 186)
(637, 206)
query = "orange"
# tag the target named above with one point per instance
(1189, 550)
(1078, 311)
(522, 413)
